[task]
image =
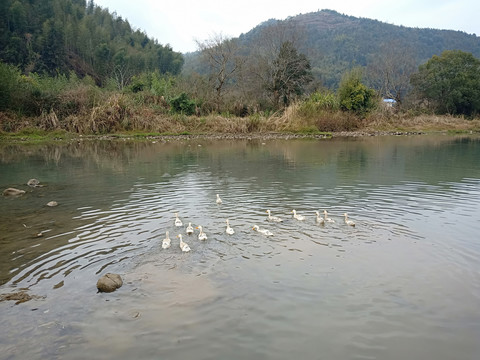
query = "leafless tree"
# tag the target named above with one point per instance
(390, 71)
(222, 54)
(122, 75)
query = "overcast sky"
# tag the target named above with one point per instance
(180, 22)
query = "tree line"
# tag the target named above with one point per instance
(274, 73)
(335, 42)
(58, 36)
(62, 58)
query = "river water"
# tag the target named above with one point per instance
(404, 283)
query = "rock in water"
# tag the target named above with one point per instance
(33, 182)
(109, 282)
(20, 297)
(13, 192)
(52, 203)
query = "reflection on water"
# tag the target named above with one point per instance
(404, 283)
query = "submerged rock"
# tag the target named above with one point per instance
(13, 192)
(19, 297)
(33, 182)
(109, 282)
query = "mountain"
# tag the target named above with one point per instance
(334, 42)
(58, 36)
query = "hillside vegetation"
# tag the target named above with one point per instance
(334, 43)
(58, 36)
(69, 65)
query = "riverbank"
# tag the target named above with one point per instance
(288, 125)
(64, 136)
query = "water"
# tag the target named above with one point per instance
(404, 283)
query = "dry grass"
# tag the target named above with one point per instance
(294, 120)
(110, 113)
(422, 123)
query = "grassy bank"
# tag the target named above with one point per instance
(120, 114)
(39, 106)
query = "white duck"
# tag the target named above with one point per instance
(265, 232)
(297, 216)
(166, 242)
(178, 222)
(219, 201)
(201, 235)
(183, 245)
(273, 218)
(229, 230)
(189, 229)
(320, 219)
(326, 218)
(348, 222)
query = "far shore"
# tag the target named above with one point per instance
(289, 125)
(264, 136)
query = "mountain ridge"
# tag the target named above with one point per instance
(335, 42)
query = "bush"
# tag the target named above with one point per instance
(354, 95)
(11, 88)
(183, 105)
(162, 85)
(328, 121)
(317, 102)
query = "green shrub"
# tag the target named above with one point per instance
(183, 105)
(317, 102)
(11, 89)
(354, 95)
(162, 85)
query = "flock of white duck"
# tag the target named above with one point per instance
(166, 243)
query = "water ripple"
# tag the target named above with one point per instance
(407, 269)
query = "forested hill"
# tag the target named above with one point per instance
(334, 42)
(58, 36)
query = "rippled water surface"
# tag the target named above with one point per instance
(404, 283)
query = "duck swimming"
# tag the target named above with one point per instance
(178, 222)
(166, 242)
(326, 218)
(297, 216)
(229, 230)
(265, 232)
(320, 219)
(273, 218)
(189, 229)
(183, 245)
(348, 222)
(201, 235)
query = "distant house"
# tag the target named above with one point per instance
(389, 102)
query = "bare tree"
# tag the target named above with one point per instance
(122, 75)
(390, 72)
(223, 57)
